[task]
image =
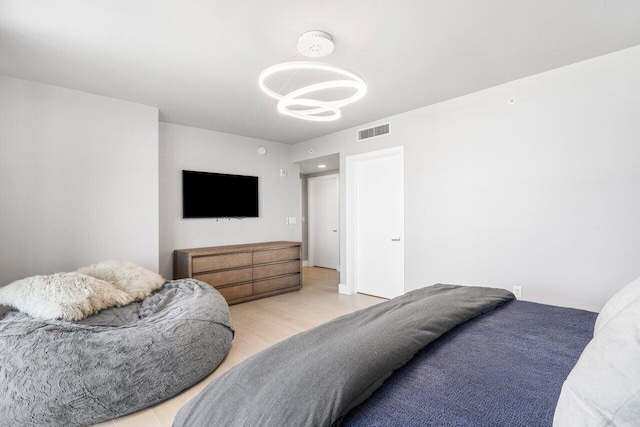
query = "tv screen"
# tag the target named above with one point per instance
(217, 195)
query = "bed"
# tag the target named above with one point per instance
(443, 355)
(504, 368)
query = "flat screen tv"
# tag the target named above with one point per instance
(218, 195)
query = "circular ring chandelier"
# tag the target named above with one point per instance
(297, 103)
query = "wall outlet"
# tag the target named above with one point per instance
(517, 291)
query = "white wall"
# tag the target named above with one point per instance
(78, 180)
(544, 193)
(183, 147)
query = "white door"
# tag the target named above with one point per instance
(375, 215)
(324, 214)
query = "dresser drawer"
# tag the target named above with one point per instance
(279, 269)
(243, 272)
(268, 285)
(227, 277)
(261, 257)
(237, 291)
(202, 264)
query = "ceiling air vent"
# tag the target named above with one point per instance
(373, 132)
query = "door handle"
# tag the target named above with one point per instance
(395, 240)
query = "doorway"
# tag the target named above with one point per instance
(323, 221)
(375, 222)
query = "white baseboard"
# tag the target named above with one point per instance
(345, 289)
(305, 263)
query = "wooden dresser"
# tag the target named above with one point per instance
(243, 272)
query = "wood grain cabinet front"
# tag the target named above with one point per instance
(243, 272)
(220, 262)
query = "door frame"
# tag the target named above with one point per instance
(310, 217)
(351, 249)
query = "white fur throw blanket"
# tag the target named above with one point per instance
(74, 296)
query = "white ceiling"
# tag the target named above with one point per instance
(331, 163)
(198, 61)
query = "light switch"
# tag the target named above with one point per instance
(291, 220)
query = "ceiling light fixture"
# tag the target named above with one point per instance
(322, 166)
(298, 103)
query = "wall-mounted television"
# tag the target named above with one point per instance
(218, 195)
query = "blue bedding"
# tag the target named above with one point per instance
(314, 378)
(504, 368)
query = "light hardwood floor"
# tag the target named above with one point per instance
(260, 324)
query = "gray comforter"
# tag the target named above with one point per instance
(113, 363)
(316, 377)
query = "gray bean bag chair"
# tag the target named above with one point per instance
(118, 361)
